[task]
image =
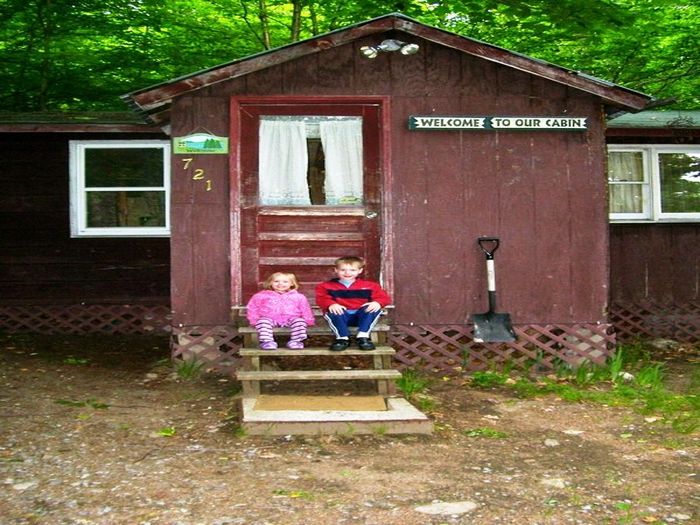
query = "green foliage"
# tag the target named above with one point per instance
(488, 379)
(629, 378)
(189, 369)
(92, 403)
(167, 432)
(82, 55)
(485, 432)
(411, 383)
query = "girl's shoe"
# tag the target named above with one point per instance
(268, 345)
(295, 345)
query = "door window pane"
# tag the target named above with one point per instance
(310, 160)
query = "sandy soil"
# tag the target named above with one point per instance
(100, 431)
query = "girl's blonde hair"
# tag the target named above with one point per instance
(293, 278)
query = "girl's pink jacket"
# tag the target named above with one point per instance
(280, 307)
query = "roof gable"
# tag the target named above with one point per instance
(154, 101)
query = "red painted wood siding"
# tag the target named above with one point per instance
(39, 261)
(656, 262)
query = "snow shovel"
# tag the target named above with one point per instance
(491, 327)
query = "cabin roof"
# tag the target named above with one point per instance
(679, 119)
(154, 102)
(75, 122)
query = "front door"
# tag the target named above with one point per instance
(310, 189)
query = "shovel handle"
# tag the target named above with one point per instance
(488, 245)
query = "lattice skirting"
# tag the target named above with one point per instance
(86, 319)
(648, 319)
(215, 346)
(437, 348)
(450, 348)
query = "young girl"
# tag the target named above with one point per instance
(279, 304)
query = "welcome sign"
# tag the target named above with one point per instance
(461, 123)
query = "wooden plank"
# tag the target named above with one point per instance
(316, 375)
(310, 236)
(383, 351)
(296, 261)
(314, 211)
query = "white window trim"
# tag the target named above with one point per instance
(78, 215)
(652, 184)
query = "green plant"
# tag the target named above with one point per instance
(167, 431)
(485, 432)
(93, 403)
(488, 379)
(412, 383)
(189, 369)
(301, 494)
(75, 361)
(650, 376)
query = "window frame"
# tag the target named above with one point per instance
(651, 185)
(78, 191)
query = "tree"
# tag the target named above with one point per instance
(82, 54)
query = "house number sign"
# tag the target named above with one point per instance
(460, 123)
(198, 174)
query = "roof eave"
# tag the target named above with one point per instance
(151, 100)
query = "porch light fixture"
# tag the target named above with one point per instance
(389, 46)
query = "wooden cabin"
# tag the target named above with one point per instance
(54, 278)
(655, 225)
(456, 139)
(446, 139)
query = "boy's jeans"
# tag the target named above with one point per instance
(364, 321)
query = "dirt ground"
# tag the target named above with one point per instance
(100, 431)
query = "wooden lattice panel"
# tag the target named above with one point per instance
(215, 346)
(680, 322)
(86, 319)
(451, 348)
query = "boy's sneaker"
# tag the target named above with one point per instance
(363, 343)
(295, 345)
(268, 345)
(339, 345)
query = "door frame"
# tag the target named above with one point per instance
(386, 228)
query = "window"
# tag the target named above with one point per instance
(654, 182)
(120, 188)
(310, 160)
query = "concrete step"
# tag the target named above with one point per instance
(314, 351)
(400, 417)
(316, 375)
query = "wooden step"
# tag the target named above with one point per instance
(399, 418)
(313, 351)
(311, 330)
(315, 375)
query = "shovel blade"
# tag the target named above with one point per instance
(492, 328)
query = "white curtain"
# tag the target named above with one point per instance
(283, 163)
(342, 145)
(626, 176)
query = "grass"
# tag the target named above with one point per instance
(189, 369)
(412, 383)
(629, 378)
(485, 432)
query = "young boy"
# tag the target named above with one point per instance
(349, 301)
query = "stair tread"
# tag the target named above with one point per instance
(286, 375)
(254, 352)
(310, 329)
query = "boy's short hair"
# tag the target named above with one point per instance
(267, 285)
(351, 260)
